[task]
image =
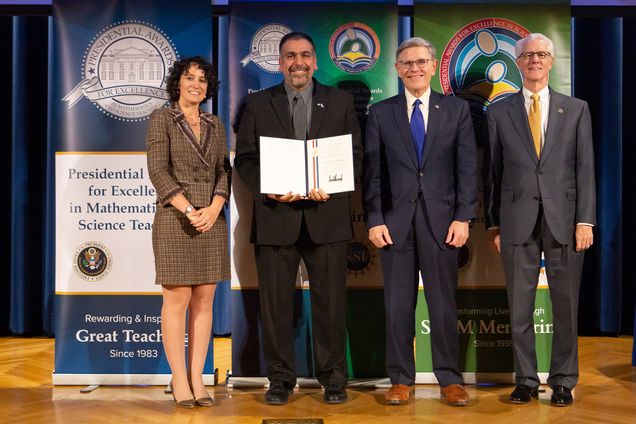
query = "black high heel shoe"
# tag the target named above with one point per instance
(186, 403)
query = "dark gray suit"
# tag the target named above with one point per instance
(537, 204)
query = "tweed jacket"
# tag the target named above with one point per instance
(179, 163)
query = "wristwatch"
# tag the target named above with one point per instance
(188, 209)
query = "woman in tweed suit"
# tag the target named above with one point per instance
(188, 165)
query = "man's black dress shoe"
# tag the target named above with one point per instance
(278, 393)
(523, 394)
(561, 396)
(335, 394)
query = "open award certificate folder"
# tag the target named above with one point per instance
(300, 166)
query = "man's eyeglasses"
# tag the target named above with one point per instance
(528, 55)
(408, 64)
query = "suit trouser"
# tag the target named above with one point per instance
(277, 267)
(563, 267)
(400, 265)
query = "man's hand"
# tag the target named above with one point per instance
(379, 236)
(495, 239)
(457, 234)
(584, 237)
(286, 198)
(318, 195)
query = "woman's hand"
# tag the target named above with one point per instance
(203, 219)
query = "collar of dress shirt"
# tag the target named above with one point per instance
(424, 98)
(305, 94)
(544, 96)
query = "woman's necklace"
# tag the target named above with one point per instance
(196, 122)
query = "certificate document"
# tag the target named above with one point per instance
(300, 166)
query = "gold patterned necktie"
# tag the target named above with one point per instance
(534, 119)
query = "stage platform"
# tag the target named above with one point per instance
(606, 394)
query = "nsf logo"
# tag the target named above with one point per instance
(478, 63)
(124, 70)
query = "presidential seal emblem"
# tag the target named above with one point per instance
(92, 261)
(124, 69)
(264, 47)
(354, 47)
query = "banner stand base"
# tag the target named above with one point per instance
(381, 383)
(90, 388)
(93, 381)
(303, 382)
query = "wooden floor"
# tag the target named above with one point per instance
(606, 394)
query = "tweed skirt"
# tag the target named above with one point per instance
(186, 257)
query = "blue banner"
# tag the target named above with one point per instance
(109, 64)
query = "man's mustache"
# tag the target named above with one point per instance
(295, 68)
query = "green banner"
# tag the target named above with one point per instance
(483, 325)
(492, 29)
(476, 61)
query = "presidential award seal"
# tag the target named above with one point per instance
(124, 69)
(478, 63)
(354, 47)
(264, 47)
(92, 261)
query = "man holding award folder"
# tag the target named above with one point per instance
(289, 227)
(420, 191)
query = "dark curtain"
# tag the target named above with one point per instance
(27, 222)
(603, 61)
(26, 271)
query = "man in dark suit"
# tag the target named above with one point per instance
(290, 227)
(420, 194)
(540, 195)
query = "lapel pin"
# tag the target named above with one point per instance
(560, 110)
(320, 104)
(436, 106)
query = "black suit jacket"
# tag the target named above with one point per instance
(516, 180)
(393, 180)
(267, 114)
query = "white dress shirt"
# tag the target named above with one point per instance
(544, 101)
(425, 99)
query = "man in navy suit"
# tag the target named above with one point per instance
(540, 195)
(420, 194)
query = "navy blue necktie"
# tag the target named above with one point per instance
(418, 130)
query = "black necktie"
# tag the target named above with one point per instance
(299, 117)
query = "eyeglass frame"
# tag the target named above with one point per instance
(403, 63)
(530, 55)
